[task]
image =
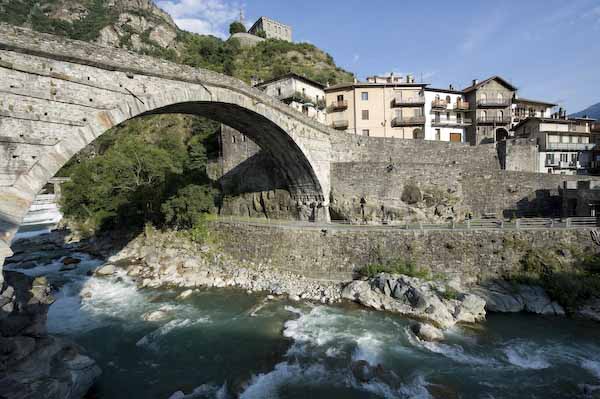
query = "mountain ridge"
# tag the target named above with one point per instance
(592, 111)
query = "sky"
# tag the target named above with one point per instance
(549, 49)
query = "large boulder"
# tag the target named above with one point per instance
(504, 297)
(56, 369)
(427, 332)
(416, 298)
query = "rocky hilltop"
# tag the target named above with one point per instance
(135, 24)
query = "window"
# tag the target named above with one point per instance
(500, 98)
(437, 117)
(574, 158)
(364, 96)
(340, 98)
(233, 139)
(243, 138)
(484, 114)
(303, 91)
(483, 97)
(279, 91)
(549, 159)
(438, 134)
(366, 132)
(365, 115)
(448, 116)
(564, 157)
(448, 100)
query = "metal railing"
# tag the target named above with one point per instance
(416, 101)
(494, 119)
(408, 121)
(339, 105)
(452, 122)
(571, 146)
(493, 102)
(475, 224)
(437, 103)
(340, 124)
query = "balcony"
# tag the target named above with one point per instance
(570, 146)
(400, 121)
(497, 120)
(417, 101)
(461, 106)
(341, 124)
(595, 128)
(452, 122)
(439, 104)
(493, 102)
(339, 105)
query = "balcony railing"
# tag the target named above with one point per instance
(339, 105)
(439, 104)
(493, 102)
(499, 120)
(452, 122)
(408, 121)
(461, 106)
(341, 124)
(416, 101)
(571, 146)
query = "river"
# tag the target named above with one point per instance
(226, 343)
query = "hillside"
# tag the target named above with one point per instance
(590, 112)
(141, 26)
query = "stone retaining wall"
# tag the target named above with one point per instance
(337, 254)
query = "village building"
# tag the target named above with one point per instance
(447, 115)
(564, 145)
(303, 94)
(383, 106)
(491, 107)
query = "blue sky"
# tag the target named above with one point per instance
(549, 49)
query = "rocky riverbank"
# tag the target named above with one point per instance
(32, 363)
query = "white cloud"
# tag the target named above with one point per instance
(209, 17)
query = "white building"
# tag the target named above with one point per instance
(447, 115)
(303, 94)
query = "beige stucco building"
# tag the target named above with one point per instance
(380, 107)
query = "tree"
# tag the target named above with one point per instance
(236, 27)
(186, 209)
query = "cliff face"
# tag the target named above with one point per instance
(135, 24)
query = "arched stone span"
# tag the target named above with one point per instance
(59, 95)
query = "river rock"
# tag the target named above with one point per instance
(590, 310)
(185, 294)
(504, 297)
(56, 369)
(413, 297)
(157, 315)
(427, 332)
(70, 261)
(106, 270)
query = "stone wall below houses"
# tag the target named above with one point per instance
(337, 254)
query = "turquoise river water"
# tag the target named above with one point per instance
(228, 344)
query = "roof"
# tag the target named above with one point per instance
(292, 76)
(368, 84)
(547, 120)
(444, 90)
(498, 78)
(526, 100)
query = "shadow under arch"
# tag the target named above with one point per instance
(297, 170)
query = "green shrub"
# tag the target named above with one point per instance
(236, 27)
(186, 209)
(396, 266)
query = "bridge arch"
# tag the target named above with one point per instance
(61, 95)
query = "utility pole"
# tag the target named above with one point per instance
(241, 15)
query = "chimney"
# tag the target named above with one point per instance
(451, 87)
(475, 81)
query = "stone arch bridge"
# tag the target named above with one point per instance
(59, 95)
